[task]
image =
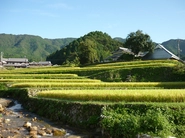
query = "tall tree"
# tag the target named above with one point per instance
(139, 42)
(87, 52)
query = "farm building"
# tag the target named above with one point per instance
(44, 63)
(40, 63)
(160, 52)
(15, 62)
(21, 62)
(119, 52)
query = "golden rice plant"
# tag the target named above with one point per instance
(107, 85)
(160, 95)
(51, 80)
(24, 76)
(102, 66)
(145, 62)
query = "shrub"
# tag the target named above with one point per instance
(180, 131)
(120, 124)
(155, 123)
(128, 123)
(3, 86)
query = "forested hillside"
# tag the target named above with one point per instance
(96, 45)
(172, 44)
(120, 39)
(34, 48)
(91, 48)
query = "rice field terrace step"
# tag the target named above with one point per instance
(118, 85)
(38, 76)
(51, 80)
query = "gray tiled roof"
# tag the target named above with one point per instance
(16, 60)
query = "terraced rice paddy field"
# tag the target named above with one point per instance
(141, 97)
(77, 83)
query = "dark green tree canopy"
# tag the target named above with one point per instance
(139, 42)
(91, 48)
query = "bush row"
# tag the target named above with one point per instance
(156, 120)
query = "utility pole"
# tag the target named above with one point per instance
(178, 48)
(1, 56)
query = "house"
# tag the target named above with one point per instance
(160, 52)
(118, 53)
(44, 63)
(15, 62)
(40, 63)
(21, 62)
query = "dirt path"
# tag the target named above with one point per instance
(22, 124)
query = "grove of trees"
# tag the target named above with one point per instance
(91, 48)
(139, 42)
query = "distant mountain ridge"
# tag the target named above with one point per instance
(172, 45)
(120, 39)
(32, 47)
(36, 48)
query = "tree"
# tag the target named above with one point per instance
(139, 42)
(87, 52)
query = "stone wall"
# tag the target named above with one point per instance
(81, 115)
(75, 114)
